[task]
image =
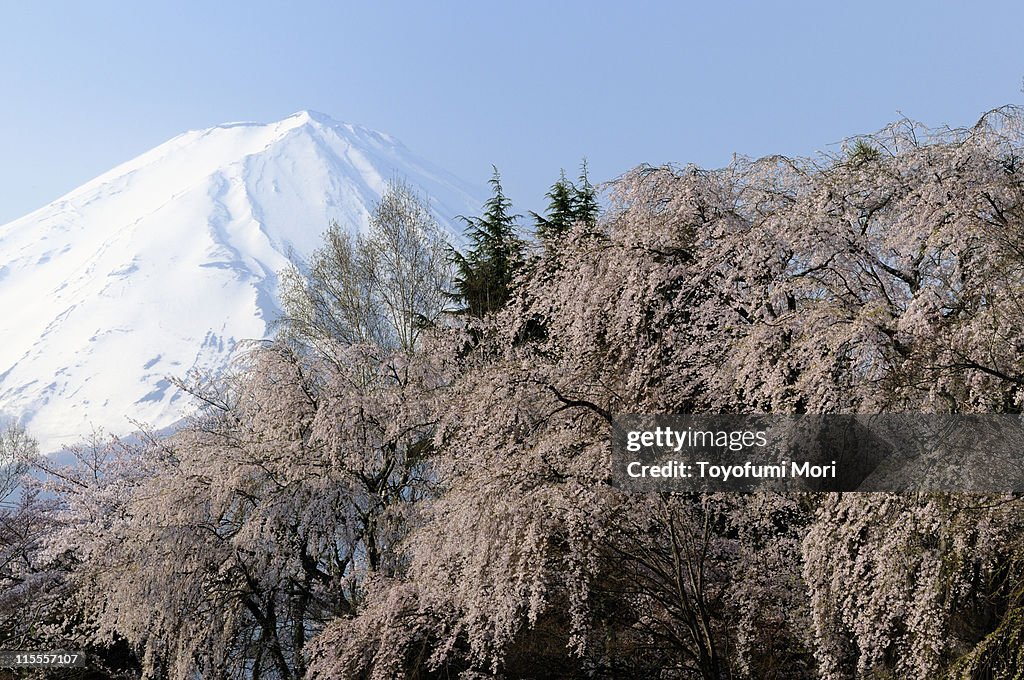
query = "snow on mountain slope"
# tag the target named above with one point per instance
(166, 262)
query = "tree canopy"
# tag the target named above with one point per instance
(484, 273)
(388, 491)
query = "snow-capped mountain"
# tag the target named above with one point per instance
(166, 262)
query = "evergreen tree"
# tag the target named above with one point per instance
(568, 204)
(484, 273)
(562, 210)
(585, 208)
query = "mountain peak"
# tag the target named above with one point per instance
(165, 263)
(307, 115)
(321, 121)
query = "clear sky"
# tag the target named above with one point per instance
(528, 86)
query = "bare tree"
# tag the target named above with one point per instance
(382, 287)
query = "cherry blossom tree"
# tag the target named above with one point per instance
(384, 492)
(880, 279)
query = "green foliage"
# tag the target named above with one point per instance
(863, 152)
(484, 273)
(568, 204)
(561, 211)
(587, 209)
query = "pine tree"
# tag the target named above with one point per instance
(585, 207)
(484, 273)
(562, 209)
(568, 204)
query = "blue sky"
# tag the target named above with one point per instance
(529, 86)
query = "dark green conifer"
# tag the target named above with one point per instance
(585, 207)
(484, 273)
(562, 209)
(568, 204)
